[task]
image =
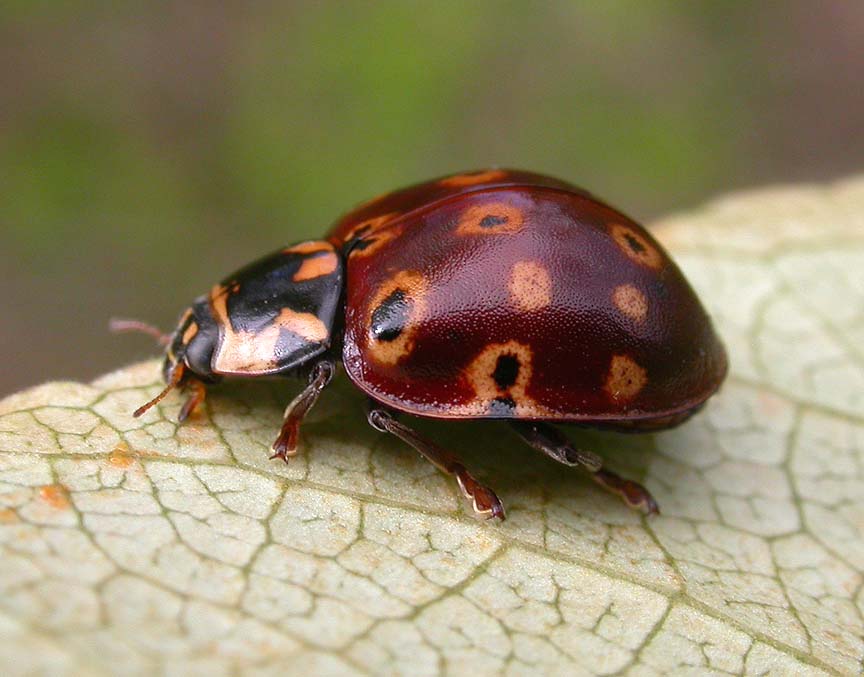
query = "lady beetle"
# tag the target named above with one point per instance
(496, 294)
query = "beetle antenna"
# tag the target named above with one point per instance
(118, 326)
(175, 380)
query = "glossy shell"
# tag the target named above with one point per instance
(505, 294)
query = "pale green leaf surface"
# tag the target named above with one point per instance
(134, 546)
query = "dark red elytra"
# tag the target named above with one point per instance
(493, 294)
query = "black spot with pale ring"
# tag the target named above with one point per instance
(635, 245)
(391, 316)
(506, 371)
(490, 221)
(358, 244)
(505, 374)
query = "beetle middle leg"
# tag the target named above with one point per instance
(485, 502)
(552, 442)
(286, 443)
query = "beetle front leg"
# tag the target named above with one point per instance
(196, 397)
(485, 502)
(554, 443)
(285, 445)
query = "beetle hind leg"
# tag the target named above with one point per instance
(554, 443)
(486, 504)
(285, 445)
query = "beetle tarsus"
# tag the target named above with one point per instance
(554, 443)
(634, 494)
(285, 445)
(484, 501)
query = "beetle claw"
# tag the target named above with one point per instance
(285, 445)
(486, 504)
(634, 494)
(282, 448)
(484, 501)
(555, 444)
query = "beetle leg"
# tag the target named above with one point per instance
(199, 392)
(286, 443)
(554, 443)
(486, 503)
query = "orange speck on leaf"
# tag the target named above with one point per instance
(8, 516)
(55, 495)
(120, 456)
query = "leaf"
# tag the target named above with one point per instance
(134, 546)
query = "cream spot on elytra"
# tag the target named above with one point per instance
(630, 301)
(530, 286)
(625, 379)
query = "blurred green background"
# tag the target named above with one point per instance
(148, 148)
